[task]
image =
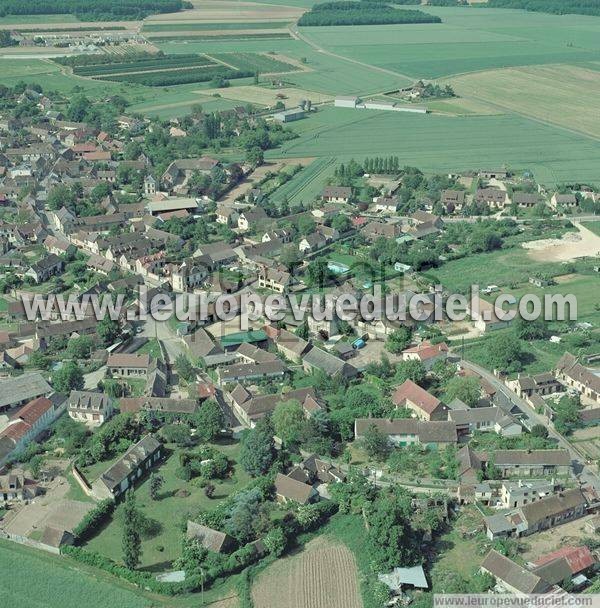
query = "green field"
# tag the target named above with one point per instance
(444, 143)
(467, 40)
(254, 62)
(17, 19)
(503, 267)
(307, 183)
(33, 578)
(593, 226)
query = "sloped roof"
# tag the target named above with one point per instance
(137, 453)
(517, 577)
(557, 457)
(427, 432)
(552, 505)
(210, 539)
(20, 388)
(412, 392)
(292, 490)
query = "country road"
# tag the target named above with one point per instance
(584, 472)
(296, 34)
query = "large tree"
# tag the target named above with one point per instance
(257, 451)
(391, 541)
(68, 378)
(505, 352)
(467, 389)
(131, 543)
(289, 422)
(209, 420)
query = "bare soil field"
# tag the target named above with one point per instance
(250, 182)
(323, 575)
(49, 510)
(573, 245)
(213, 33)
(569, 534)
(268, 97)
(230, 11)
(587, 433)
(560, 94)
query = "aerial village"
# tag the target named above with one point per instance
(227, 445)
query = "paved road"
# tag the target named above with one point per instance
(585, 473)
(160, 330)
(91, 380)
(477, 218)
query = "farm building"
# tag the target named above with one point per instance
(289, 115)
(346, 102)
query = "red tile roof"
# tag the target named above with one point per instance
(31, 412)
(16, 431)
(205, 390)
(426, 350)
(578, 558)
(409, 391)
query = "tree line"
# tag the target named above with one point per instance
(87, 10)
(556, 7)
(362, 13)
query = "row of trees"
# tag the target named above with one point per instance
(176, 76)
(362, 13)
(556, 7)
(99, 10)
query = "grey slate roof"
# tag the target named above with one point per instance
(20, 388)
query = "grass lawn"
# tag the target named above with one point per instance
(170, 511)
(47, 580)
(593, 226)
(75, 492)
(458, 554)
(3, 305)
(503, 267)
(152, 347)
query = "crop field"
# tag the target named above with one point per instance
(327, 74)
(185, 68)
(306, 184)
(560, 94)
(154, 64)
(218, 11)
(467, 40)
(217, 26)
(254, 62)
(264, 96)
(60, 583)
(322, 575)
(441, 143)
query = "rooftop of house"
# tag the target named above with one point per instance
(409, 391)
(128, 463)
(291, 489)
(558, 457)
(579, 558)
(509, 572)
(20, 388)
(427, 432)
(128, 360)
